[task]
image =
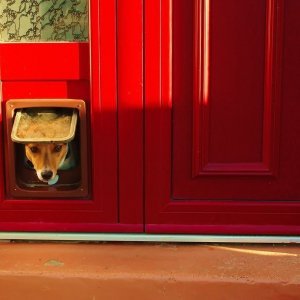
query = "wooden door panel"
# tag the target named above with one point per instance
(218, 122)
(62, 70)
(107, 73)
(235, 59)
(84, 71)
(232, 82)
(235, 91)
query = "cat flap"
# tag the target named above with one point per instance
(44, 125)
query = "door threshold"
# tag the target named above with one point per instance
(168, 238)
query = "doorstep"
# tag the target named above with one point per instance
(148, 271)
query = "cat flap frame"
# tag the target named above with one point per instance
(81, 190)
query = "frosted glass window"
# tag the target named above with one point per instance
(43, 20)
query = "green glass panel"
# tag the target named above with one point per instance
(43, 20)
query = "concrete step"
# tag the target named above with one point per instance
(148, 271)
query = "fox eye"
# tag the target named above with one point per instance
(34, 149)
(57, 148)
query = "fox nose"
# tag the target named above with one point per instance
(47, 174)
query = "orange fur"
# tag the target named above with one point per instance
(46, 157)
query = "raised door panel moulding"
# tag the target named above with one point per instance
(203, 164)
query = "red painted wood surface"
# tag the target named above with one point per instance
(220, 96)
(220, 152)
(2, 185)
(209, 87)
(44, 61)
(130, 109)
(236, 119)
(86, 71)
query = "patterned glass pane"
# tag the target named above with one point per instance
(43, 20)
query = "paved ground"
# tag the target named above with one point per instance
(148, 271)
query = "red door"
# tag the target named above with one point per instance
(193, 108)
(222, 116)
(88, 71)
